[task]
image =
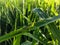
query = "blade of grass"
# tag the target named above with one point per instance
(55, 32)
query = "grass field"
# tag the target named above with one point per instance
(29, 22)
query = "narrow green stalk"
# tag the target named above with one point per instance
(16, 40)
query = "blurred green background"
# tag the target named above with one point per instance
(29, 22)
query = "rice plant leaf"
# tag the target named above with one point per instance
(15, 33)
(41, 13)
(47, 21)
(55, 32)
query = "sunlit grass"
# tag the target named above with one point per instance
(29, 22)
